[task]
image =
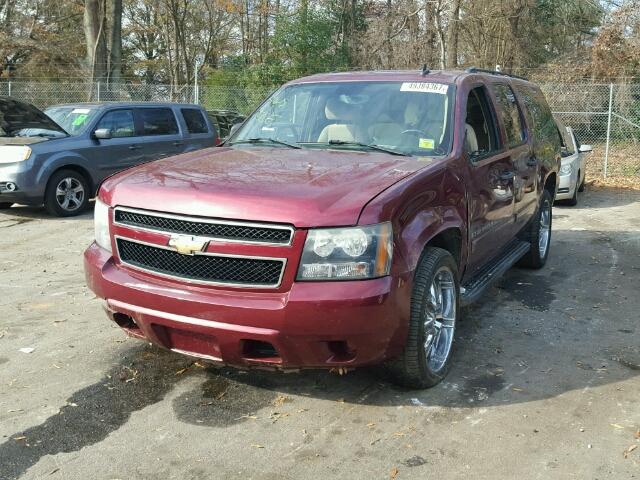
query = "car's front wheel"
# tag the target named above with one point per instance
(434, 315)
(67, 194)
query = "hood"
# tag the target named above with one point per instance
(305, 187)
(16, 116)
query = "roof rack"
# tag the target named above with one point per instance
(493, 72)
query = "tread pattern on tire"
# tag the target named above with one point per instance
(408, 369)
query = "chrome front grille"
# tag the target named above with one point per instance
(214, 229)
(203, 267)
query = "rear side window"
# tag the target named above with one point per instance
(539, 115)
(509, 114)
(195, 120)
(119, 122)
(158, 121)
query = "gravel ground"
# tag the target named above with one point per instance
(545, 381)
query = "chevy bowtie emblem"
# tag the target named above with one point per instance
(187, 245)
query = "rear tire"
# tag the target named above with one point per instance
(5, 205)
(538, 234)
(67, 194)
(425, 359)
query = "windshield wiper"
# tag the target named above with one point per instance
(371, 146)
(265, 140)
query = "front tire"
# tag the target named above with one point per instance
(67, 194)
(581, 187)
(5, 205)
(425, 359)
(538, 234)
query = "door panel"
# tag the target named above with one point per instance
(161, 136)
(123, 149)
(491, 203)
(490, 185)
(520, 149)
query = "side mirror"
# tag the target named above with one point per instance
(102, 134)
(234, 128)
(585, 148)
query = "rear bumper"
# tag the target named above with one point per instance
(313, 325)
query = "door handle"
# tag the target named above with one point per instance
(134, 147)
(507, 175)
(177, 144)
(532, 162)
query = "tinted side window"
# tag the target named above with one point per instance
(119, 123)
(195, 120)
(158, 121)
(539, 115)
(509, 114)
(480, 130)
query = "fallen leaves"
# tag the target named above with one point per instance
(340, 370)
(281, 400)
(626, 453)
(255, 445)
(394, 473)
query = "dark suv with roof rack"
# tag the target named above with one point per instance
(343, 225)
(59, 157)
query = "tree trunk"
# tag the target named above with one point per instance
(115, 43)
(454, 34)
(94, 23)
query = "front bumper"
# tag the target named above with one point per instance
(567, 185)
(28, 190)
(313, 325)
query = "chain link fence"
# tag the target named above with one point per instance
(606, 116)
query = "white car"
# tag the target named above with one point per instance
(572, 168)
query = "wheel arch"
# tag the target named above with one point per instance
(78, 169)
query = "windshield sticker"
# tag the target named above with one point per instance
(424, 87)
(426, 143)
(81, 110)
(79, 120)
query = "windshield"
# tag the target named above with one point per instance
(73, 119)
(411, 118)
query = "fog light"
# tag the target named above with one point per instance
(10, 187)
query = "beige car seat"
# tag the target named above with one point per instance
(470, 139)
(344, 129)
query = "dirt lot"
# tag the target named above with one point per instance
(545, 382)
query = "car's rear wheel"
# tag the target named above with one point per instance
(425, 359)
(5, 205)
(538, 234)
(67, 194)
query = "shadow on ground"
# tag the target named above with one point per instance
(536, 335)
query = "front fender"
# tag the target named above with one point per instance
(60, 160)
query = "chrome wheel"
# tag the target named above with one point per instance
(70, 194)
(440, 319)
(545, 229)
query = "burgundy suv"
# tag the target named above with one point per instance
(344, 224)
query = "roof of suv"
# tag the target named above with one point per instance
(441, 76)
(127, 104)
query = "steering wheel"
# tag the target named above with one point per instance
(412, 131)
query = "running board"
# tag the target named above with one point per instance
(476, 286)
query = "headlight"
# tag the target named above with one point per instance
(347, 253)
(566, 169)
(14, 153)
(101, 224)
